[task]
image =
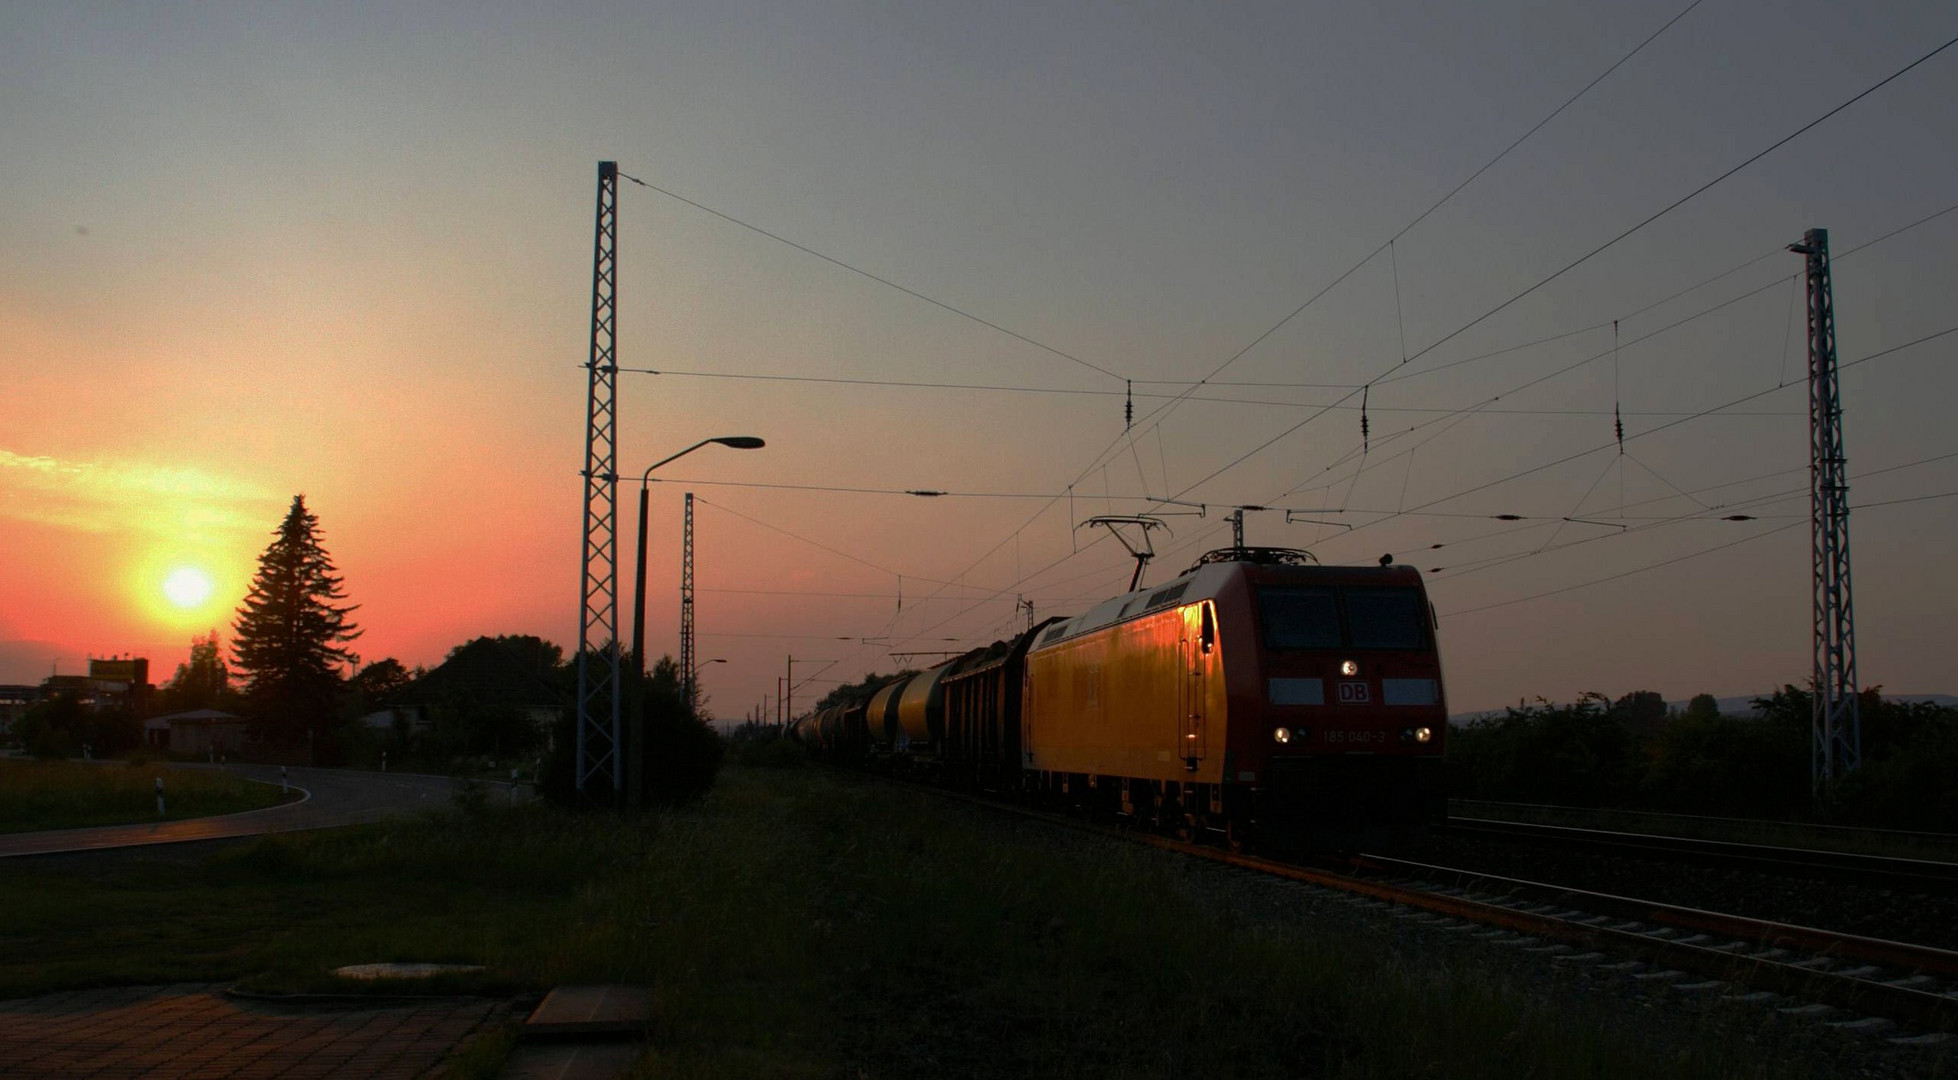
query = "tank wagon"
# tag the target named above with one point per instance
(1257, 695)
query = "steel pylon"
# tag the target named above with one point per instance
(598, 749)
(686, 604)
(1835, 737)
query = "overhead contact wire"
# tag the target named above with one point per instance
(805, 249)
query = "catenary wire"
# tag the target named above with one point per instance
(1014, 334)
(1688, 197)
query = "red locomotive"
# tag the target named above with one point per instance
(1255, 694)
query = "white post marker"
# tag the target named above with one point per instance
(159, 796)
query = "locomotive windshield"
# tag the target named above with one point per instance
(1358, 618)
(1385, 619)
(1300, 618)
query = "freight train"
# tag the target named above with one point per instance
(1258, 697)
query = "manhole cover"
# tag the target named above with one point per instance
(404, 971)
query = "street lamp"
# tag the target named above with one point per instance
(738, 442)
(693, 679)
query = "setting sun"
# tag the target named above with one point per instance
(187, 587)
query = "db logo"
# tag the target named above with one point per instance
(1353, 693)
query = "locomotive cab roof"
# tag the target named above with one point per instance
(1263, 556)
(1201, 581)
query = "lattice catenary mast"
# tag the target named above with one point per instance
(598, 610)
(686, 603)
(1835, 738)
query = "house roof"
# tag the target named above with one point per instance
(196, 716)
(484, 672)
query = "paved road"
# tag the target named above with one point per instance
(190, 1031)
(329, 797)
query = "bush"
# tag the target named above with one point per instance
(679, 754)
(60, 726)
(1910, 753)
(470, 795)
(1623, 755)
(1729, 766)
(1572, 755)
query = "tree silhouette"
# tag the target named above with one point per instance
(289, 635)
(201, 683)
(379, 680)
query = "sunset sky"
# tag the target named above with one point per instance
(252, 250)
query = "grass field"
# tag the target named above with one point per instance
(73, 794)
(802, 924)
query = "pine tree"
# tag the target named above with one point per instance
(289, 635)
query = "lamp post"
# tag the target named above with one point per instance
(693, 680)
(738, 442)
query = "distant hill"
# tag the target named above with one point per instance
(1734, 706)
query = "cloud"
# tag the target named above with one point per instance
(117, 495)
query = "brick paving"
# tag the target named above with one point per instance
(194, 1031)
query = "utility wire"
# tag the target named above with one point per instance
(989, 324)
(914, 492)
(1912, 499)
(1455, 333)
(1438, 203)
(1688, 197)
(797, 536)
(1420, 510)
(1480, 409)
(1662, 427)
(1626, 573)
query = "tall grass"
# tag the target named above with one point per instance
(70, 794)
(802, 924)
(828, 927)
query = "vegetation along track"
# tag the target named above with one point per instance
(1748, 960)
(1913, 875)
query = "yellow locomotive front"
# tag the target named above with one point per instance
(1251, 694)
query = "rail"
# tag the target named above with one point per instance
(1916, 875)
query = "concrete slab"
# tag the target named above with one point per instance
(575, 1061)
(193, 1031)
(591, 1010)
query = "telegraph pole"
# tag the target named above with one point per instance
(598, 748)
(686, 605)
(1835, 736)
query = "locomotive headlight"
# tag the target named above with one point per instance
(1349, 667)
(1422, 734)
(1282, 736)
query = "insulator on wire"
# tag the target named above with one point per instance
(1365, 426)
(1617, 417)
(1128, 406)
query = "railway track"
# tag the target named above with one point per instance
(1697, 951)
(1912, 875)
(1803, 971)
